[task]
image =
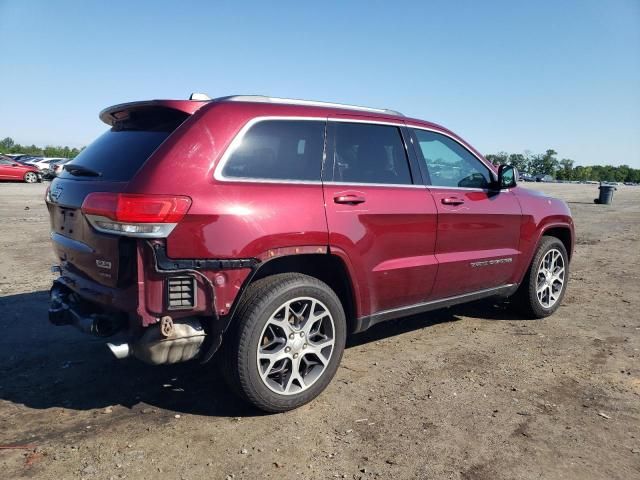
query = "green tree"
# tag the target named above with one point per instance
(520, 161)
(500, 158)
(545, 163)
(565, 169)
(565, 172)
(6, 144)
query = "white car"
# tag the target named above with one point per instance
(43, 163)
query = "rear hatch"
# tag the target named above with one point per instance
(107, 165)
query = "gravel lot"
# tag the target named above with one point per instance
(472, 392)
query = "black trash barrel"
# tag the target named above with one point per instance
(606, 194)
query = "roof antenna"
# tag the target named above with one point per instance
(199, 96)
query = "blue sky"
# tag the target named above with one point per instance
(505, 75)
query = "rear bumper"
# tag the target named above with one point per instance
(142, 306)
(123, 300)
(159, 344)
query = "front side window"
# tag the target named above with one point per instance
(279, 150)
(450, 164)
(369, 153)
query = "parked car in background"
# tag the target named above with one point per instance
(19, 157)
(544, 178)
(58, 166)
(54, 168)
(42, 163)
(273, 228)
(26, 159)
(527, 177)
(13, 170)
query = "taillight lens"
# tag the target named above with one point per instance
(135, 214)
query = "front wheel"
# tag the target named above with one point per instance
(30, 177)
(546, 280)
(287, 342)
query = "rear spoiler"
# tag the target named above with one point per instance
(111, 115)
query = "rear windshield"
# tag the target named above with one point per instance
(119, 153)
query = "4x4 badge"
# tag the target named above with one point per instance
(55, 194)
(103, 264)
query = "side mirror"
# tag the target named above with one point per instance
(507, 176)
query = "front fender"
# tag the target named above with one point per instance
(540, 214)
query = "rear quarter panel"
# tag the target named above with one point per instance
(229, 219)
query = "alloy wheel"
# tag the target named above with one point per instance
(30, 177)
(550, 278)
(296, 345)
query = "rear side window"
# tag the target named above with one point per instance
(279, 150)
(450, 164)
(369, 153)
(120, 152)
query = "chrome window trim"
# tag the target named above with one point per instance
(363, 185)
(217, 173)
(440, 187)
(463, 145)
(235, 143)
(398, 123)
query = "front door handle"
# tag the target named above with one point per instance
(452, 201)
(349, 199)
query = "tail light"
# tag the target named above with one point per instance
(135, 215)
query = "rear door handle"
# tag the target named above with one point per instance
(349, 199)
(452, 201)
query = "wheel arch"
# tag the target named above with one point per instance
(562, 230)
(326, 267)
(562, 233)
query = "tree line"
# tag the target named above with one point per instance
(547, 163)
(7, 145)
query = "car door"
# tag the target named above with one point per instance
(7, 169)
(381, 219)
(478, 232)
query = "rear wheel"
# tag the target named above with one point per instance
(545, 283)
(30, 177)
(287, 342)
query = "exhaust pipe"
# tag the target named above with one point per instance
(120, 350)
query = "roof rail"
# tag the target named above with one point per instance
(310, 103)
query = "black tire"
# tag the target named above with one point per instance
(526, 298)
(239, 351)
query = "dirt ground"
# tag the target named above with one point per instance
(470, 393)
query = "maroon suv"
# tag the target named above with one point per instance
(272, 228)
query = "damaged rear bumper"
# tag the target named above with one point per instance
(164, 343)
